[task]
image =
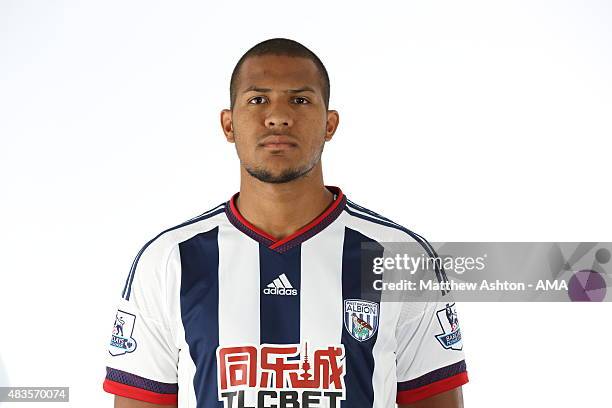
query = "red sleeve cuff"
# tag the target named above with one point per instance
(429, 390)
(140, 394)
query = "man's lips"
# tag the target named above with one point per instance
(277, 142)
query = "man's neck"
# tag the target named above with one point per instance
(281, 209)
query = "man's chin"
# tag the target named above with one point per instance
(277, 177)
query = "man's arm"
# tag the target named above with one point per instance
(142, 359)
(430, 360)
(122, 402)
(449, 399)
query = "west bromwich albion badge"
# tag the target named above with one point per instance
(360, 318)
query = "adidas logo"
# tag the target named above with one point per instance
(280, 286)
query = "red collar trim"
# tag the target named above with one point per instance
(325, 218)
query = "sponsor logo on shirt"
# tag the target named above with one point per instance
(280, 375)
(281, 287)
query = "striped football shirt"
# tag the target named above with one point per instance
(217, 313)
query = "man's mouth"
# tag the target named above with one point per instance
(277, 142)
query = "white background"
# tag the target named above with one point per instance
(464, 121)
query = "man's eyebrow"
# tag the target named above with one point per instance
(254, 88)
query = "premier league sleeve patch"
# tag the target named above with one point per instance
(360, 318)
(121, 340)
(450, 338)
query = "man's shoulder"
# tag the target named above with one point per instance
(149, 265)
(174, 235)
(381, 225)
(158, 248)
(395, 237)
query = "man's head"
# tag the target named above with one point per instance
(278, 116)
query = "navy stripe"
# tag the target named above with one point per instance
(134, 380)
(279, 314)
(200, 311)
(128, 283)
(358, 354)
(439, 269)
(433, 376)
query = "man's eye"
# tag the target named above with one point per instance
(255, 98)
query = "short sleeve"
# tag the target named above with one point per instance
(430, 357)
(142, 357)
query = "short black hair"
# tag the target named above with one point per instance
(281, 47)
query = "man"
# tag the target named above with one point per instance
(257, 302)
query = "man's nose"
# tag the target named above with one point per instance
(279, 116)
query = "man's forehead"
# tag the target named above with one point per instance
(274, 72)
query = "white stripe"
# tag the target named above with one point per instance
(239, 291)
(186, 373)
(278, 283)
(322, 317)
(238, 287)
(384, 377)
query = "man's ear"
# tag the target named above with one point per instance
(333, 119)
(227, 126)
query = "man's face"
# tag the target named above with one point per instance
(279, 122)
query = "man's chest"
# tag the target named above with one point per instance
(283, 325)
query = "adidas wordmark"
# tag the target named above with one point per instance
(280, 286)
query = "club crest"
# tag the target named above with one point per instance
(121, 340)
(360, 318)
(451, 335)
